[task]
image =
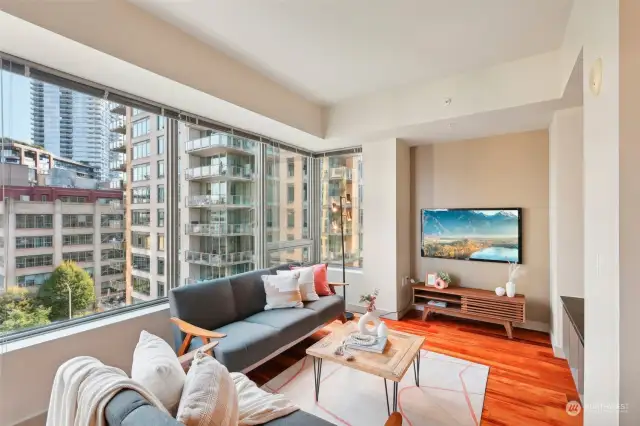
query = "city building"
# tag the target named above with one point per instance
(44, 226)
(71, 125)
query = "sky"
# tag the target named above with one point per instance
(15, 120)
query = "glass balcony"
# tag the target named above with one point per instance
(220, 142)
(116, 108)
(338, 173)
(211, 259)
(118, 125)
(118, 145)
(118, 166)
(206, 172)
(212, 201)
(218, 229)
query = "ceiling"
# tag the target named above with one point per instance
(332, 50)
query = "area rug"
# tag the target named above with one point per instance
(451, 392)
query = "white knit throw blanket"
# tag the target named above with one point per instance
(255, 406)
(82, 388)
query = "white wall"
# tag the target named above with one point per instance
(566, 222)
(26, 374)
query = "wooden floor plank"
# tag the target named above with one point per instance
(527, 385)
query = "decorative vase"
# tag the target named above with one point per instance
(500, 291)
(511, 289)
(383, 331)
(364, 321)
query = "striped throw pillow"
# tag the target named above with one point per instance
(209, 397)
(282, 291)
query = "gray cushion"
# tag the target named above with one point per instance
(208, 305)
(245, 344)
(248, 292)
(299, 418)
(293, 323)
(327, 308)
(129, 408)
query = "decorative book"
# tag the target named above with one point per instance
(438, 303)
(377, 347)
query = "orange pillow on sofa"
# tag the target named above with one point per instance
(320, 279)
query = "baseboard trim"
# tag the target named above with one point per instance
(557, 350)
(37, 420)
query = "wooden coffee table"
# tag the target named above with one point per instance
(402, 349)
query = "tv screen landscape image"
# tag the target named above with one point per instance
(486, 235)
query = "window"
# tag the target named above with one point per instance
(142, 285)
(140, 217)
(111, 238)
(140, 127)
(141, 240)
(160, 168)
(77, 221)
(111, 221)
(142, 262)
(341, 177)
(291, 167)
(33, 242)
(141, 195)
(160, 285)
(78, 256)
(32, 280)
(291, 218)
(141, 149)
(160, 142)
(160, 266)
(110, 254)
(160, 217)
(160, 122)
(290, 193)
(161, 242)
(23, 262)
(141, 172)
(161, 193)
(34, 221)
(109, 270)
(77, 240)
(73, 199)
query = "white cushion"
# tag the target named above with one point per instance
(156, 367)
(305, 282)
(282, 291)
(209, 397)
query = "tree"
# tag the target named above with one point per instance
(54, 293)
(19, 309)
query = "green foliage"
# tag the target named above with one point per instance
(54, 293)
(19, 309)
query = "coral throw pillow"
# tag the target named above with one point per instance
(320, 279)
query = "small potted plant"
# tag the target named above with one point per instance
(370, 316)
(442, 280)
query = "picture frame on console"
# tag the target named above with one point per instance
(473, 234)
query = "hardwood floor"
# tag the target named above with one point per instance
(526, 385)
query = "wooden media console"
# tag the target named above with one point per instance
(472, 303)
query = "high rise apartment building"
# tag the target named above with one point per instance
(71, 125)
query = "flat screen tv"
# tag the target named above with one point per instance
(484, 235)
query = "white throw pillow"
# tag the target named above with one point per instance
(282, 291)
(209, 397)
(305, 282)
(156, 367)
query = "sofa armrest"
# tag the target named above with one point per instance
(192, 331)
(185, 360)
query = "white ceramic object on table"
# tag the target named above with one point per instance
(511, 289)
(500, 291)
(364, 321)
(383, 331)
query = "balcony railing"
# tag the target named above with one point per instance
(115, 224)
(215, 229)
(211, 259)
(117, 108)
(118, 145)
(118, 166)
(338, 173)
(118, 125)
(219, 201)
(221, 141)
(190, 280)
(235, 172)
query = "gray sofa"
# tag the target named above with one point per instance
(234, 306)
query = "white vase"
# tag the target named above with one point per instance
(511, 289)
(364, 321)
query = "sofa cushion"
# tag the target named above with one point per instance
(299, 418)
(327, 308)
(245, 344)
(248, 293)
(292, 323)
(129, 408)
(208, 305)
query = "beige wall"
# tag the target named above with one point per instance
(503, 171)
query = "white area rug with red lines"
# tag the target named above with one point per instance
(451, 392)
